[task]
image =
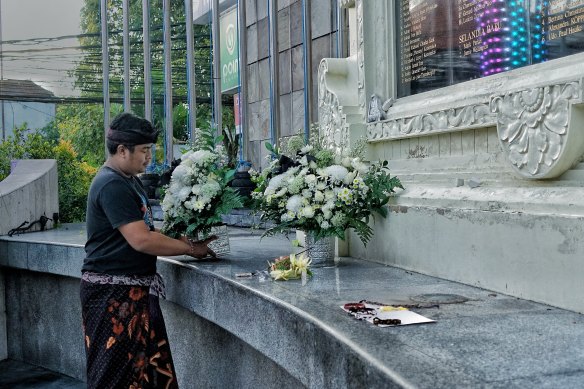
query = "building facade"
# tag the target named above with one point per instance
(23, 101)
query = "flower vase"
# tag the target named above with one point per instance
(221, 245)
(321, 252)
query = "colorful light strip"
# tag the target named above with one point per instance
(504, 24)
(538, 36)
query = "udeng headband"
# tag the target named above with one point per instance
(131, 136)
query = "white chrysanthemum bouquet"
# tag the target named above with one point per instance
(198, 193)
(313, 189)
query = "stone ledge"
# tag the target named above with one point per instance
(548, 200)
(524, 242)
(28, 193)
(488, 339)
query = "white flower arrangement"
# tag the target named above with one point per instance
(198, 193)
(321, 192)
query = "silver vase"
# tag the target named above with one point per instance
(221, 245)
(321, 252)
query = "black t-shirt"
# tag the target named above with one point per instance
(113, 201)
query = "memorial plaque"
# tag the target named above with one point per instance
(443, 42)
(423, 47)
(562, 29)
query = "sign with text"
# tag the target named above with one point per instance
(229, 50)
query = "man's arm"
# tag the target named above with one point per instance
(145, 241)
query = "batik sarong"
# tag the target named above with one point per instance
(125, 337)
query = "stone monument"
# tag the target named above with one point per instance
(487, 93)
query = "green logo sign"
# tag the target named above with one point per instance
(229, 51)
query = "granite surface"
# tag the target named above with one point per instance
(491, 340)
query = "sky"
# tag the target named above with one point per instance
(29, 19)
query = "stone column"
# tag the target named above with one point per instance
(126, 47)
(274, 73)
(167, 43)
(105, 71)
(147, 65)
(243, 89)
(191, 89)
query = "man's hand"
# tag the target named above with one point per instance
(199, 248)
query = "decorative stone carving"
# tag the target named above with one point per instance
(346, 3)
(541, 130)
(534, 129)
(454, 119)
(332, 121)
(387, 104)
(361, 57)
(375, 112)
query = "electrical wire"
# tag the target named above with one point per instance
(21, 56)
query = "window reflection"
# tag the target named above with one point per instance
(444, 42)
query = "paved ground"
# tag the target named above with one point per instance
(20, 375)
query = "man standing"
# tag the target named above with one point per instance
(125, 336)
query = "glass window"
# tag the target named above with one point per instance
(444, 42)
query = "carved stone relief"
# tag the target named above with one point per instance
(534, 129)
(454, 119)
(332, 121)
(361, 58)
(346, 3)
(541, 130)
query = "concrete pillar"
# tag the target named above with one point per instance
(191, 90)
(217, 108)
(126, 44)
(167, 43)
(105, 70)
(147, 64)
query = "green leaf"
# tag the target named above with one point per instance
(270, 147)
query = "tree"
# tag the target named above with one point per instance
(88, 73)
(74, 176)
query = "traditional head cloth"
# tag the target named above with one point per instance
(131, 136)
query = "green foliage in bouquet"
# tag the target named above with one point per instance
(198, 194)
(312, 188)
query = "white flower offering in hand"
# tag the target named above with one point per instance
(198, 194)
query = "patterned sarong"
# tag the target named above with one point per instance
(125, 336)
